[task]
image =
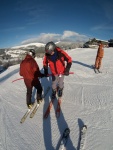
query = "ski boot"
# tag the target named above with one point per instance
(30, 106)
(39, 99)
(60, 92)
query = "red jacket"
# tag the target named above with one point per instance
(58, 65)
(29, 68)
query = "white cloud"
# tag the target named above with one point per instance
(46, 37)
(49, 37)
(73, 36)
(68, 34)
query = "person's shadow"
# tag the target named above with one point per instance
(47, 123)
(9, 75)
(47, 126)
(61, 122)
(83, 64)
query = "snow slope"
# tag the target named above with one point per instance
(87, 99)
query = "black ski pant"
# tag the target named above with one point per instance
(29, 85)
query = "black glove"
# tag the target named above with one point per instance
(46, 71)
(42, 75)
(66, 73)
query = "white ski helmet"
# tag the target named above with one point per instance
(50, 47)
(32, 52)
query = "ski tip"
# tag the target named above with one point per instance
(22, 121)
(84, 128)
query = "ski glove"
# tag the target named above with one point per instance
(66, 73)
(42, 75)
(46, 71)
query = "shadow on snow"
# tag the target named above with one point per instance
(9, 75)
(83, 64)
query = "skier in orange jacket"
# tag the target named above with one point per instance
(100, 54)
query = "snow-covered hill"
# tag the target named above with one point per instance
(27, 45)
(87, 99)
(17, 51)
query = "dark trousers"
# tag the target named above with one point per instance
(29, 85)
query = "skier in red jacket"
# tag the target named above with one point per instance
(29, 69)
(60, 63)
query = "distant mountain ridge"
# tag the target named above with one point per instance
(64, 44)
(27, 45)
(39, 47)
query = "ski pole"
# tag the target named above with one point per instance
(17, 79)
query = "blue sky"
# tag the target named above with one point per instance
(26, 21)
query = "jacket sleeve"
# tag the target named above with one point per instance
(45, 65)
(100, 52)
(68, 59)
(36, 69)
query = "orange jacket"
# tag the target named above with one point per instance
(57, 66)
(100, 52)
(29, 68)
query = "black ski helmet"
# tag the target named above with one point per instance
(32, 52)
(50, 47)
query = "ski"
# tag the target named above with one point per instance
(82, 136)
(34, 111)
(96, 71)
(48, 109)
(50, 106)
(25, 116)
(99, 71)
(58, 109)
(64, 139)
(38, 104)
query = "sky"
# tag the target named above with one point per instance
(87, 99)
(26, 21)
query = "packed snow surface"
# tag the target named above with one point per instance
(87, 99)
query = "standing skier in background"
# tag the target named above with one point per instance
(100, 54)
(29, 69)
(56, 58)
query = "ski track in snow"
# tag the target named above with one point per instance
(87, 99)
